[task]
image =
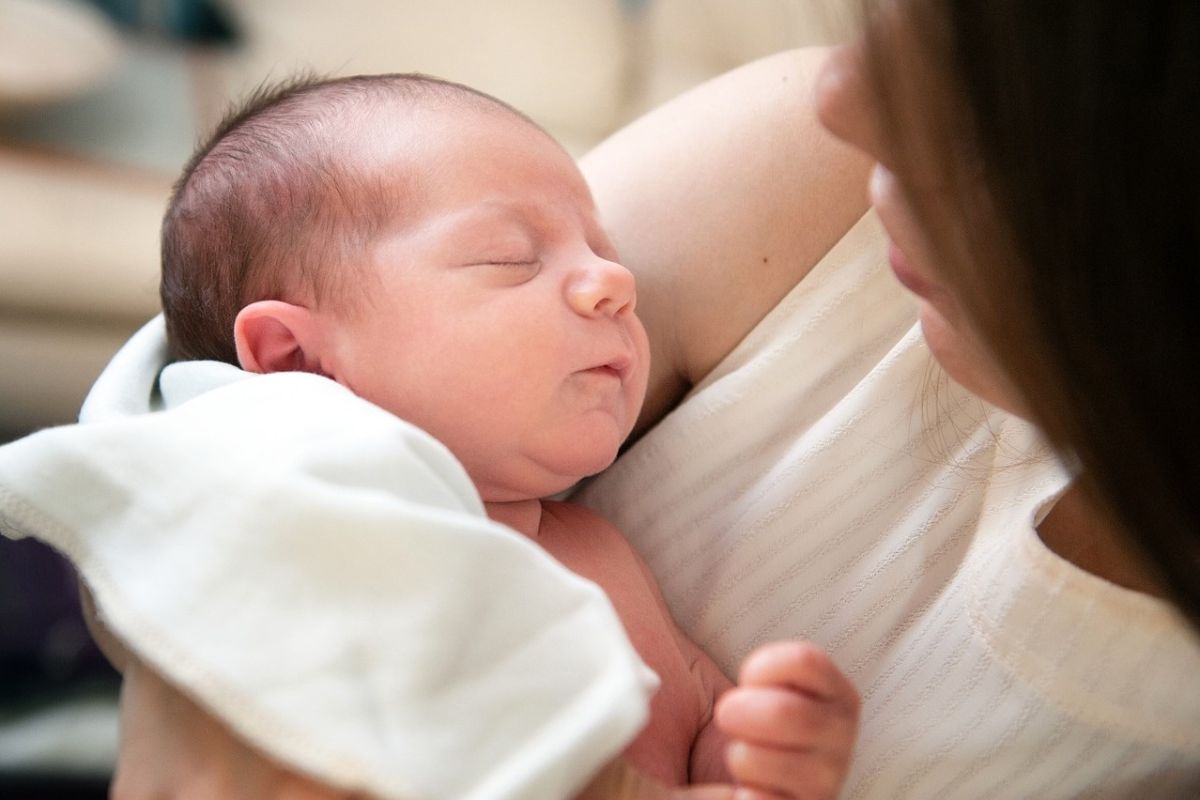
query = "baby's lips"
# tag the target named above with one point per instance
(620, 364)
(605, 369)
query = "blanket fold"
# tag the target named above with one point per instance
(322, 576)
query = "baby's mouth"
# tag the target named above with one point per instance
(617, 367)
(606, 370)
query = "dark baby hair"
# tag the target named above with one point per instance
(275, 199)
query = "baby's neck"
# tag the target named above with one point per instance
(523, 516)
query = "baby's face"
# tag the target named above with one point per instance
(499, 320)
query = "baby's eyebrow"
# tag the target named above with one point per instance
(489, 218)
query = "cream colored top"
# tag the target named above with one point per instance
(827, 482)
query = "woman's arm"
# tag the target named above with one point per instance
(109, 645)
(171, 748)
(720, 201)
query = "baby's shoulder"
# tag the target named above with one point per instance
(572, 532)
(573, 516)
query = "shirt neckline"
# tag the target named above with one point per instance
(1110, 656)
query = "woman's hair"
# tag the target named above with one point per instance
(277, 201)
(1052, 151)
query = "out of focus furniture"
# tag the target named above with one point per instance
(94, 124)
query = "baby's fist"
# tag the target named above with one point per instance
(792, 720)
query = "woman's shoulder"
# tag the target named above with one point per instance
(720, 201)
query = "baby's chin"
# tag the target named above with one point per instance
(535, 478)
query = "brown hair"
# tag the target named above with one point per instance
(274, 201)
(1067, 216)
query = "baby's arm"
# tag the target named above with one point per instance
(787, 729)
(791, 721)
(707, 761)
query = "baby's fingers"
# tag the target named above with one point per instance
(786, 719)
(793, 720)
(803, 667)
(618, 780)
(785, 744)
(764, 773)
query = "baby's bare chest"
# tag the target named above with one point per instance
(590, 547)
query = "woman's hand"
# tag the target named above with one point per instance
(171, 748)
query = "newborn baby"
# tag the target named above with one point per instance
(437, 253)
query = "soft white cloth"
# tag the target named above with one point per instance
(323, 577)
(827, 482)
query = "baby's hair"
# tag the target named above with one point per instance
(274, 202)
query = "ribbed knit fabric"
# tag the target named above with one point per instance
(828, 482)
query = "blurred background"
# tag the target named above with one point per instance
(101, 103)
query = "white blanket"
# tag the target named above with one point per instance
(322, 576)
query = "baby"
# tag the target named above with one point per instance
(438, 253)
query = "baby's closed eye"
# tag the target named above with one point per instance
(509, 270)
(513, 263)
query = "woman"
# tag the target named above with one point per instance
(999, 605)
(1000, 616)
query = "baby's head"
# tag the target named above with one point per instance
(285, 196)
(429, 248)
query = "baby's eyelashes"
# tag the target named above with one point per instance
(515, 264)
(510, 271)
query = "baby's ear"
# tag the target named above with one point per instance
(274, 336)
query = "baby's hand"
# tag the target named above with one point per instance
(791, 720)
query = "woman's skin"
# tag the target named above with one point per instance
(1072, 529)
(720, 201)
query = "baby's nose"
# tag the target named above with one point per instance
(601, 287)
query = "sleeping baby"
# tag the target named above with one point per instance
(437, 253)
